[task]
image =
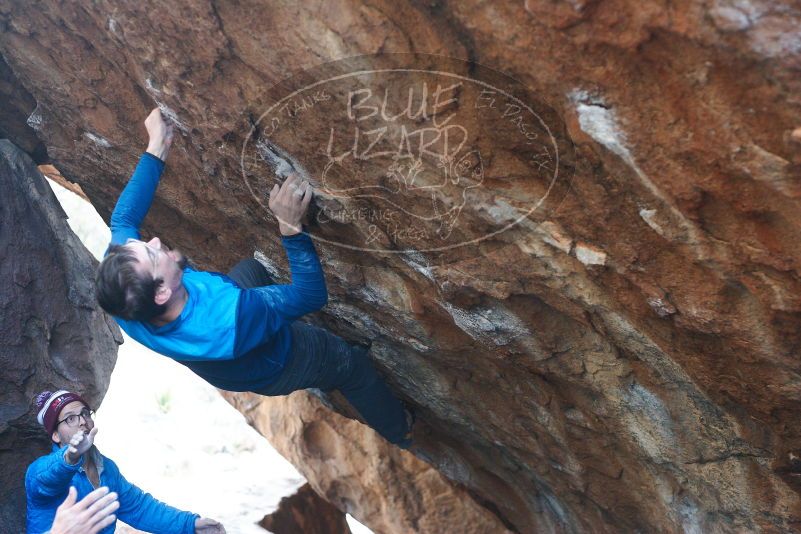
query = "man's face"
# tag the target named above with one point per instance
(161, 262)
(64, 431)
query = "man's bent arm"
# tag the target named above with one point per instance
(263, 310)
(135, 200)
(52, 475)
(307, 292)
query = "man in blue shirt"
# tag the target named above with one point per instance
(238, 332)
(76, 462)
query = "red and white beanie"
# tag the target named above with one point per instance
(50, 405)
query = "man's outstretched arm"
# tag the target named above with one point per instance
(143, 511)
(135, 199)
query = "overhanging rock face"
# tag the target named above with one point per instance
(52, 334)
(623, 357)
(356, 470)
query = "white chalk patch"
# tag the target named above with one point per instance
(473, 323)
(172, 116)
(776, 36)
(418, 262)
(556, 508)
(35, 119)
(600, 123)
(661, 307)
(99, 140)
(690, 517)
(736, 9)
(151, 88)
(577, 417)
(577, 5)
(729, 19)
(590, 255)
(280, 164)
(555, 236)
(649, 422)
(768, 168)
(649, 217)
(493, 326)
(502, 212)
(781, 299)
(415, 343)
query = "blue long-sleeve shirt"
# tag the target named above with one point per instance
(236, 339)
(48, 479)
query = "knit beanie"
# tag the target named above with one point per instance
(50, 405)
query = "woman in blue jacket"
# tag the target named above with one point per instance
(76, 462)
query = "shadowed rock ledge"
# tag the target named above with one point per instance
(305, 511)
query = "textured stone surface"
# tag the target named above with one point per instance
(51, 333)
(305, 511)
(356, 470)
(18, 115)
(627, 358)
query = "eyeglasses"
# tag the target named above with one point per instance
(72, 419)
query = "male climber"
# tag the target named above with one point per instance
(238, 332)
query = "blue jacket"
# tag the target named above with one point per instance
(49, 478)
(236, 339)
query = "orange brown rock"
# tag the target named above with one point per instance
(305, 511)
(357, 471)
(657, 390)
